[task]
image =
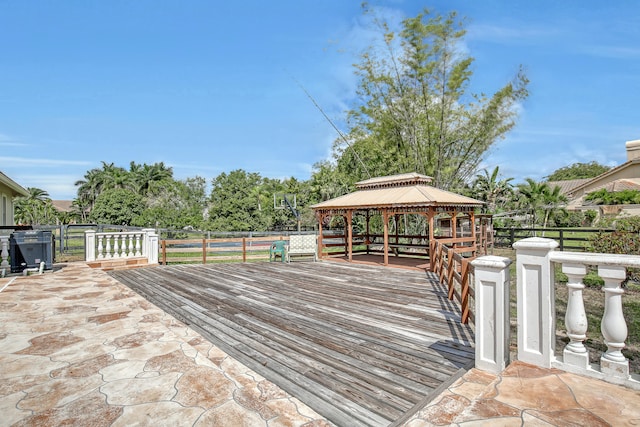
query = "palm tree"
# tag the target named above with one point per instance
(489, 188)
(35, 208)
(531, 197)
(539, 196)
(144, 175)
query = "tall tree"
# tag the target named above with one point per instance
(578, 171)
(414, 112)
(492, 190)
(35, 208)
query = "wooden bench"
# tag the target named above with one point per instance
(304, 245)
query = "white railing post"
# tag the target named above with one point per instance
(107, 249)
(150, 247)
(492, 312)
(138, 247)
(4, 251)
(575, 353)
(536, 301)
(90, 245)
(613, 326)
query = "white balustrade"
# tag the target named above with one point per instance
(4, 251)
(535, 259)
(118, 245)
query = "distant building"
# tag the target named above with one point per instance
(623, 177)
(9, 190)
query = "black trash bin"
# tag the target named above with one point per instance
(28, 249)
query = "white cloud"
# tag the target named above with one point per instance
(511, 35)
(31, 161)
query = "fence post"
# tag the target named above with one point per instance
(90, 245)
(244, 249)
(492, 312)
(536, 301)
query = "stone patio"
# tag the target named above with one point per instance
(79, 348)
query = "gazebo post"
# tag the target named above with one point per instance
(385, 220)
(349, 217)
(367, 238)
(320, 216)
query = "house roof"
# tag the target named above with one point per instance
(606, 174)
(567, 186)
(62, 205)
(17, 188)
(396, 191)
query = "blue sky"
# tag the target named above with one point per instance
(209, 86)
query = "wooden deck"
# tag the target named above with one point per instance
(362, 345)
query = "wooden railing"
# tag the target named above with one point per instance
(239, 249)
(455, 271)
(569, 239)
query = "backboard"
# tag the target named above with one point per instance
(284, 201)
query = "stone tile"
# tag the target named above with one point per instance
(540, 393)
(46, 344)
(175, 361)
(571, 417)
(9, 408)
(446, 410)
(480, 377)
(57, 392)
(470, 390)
(84, 368)
(141, 390)
(204, 387)
(16, 365)
(230, 414)
(18, 383)
(158, 414)
(487, 408)
(617, 405)
(524, 370)
(126, 369)
(88, 410)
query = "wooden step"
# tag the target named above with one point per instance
(119, 263)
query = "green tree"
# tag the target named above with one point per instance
(36, 208)
(118, 206)
(492, 190)
(143, 176)
(578, 171)
(233, 204)
(175, 204)
(538, 198)
(414, 113)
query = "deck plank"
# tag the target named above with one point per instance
(360, 344)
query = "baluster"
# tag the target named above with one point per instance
(613, 326)
(130, 252)
(100, 242)
(124, 245)
(116, 246)
(108, 253)
(4, 252)
(575, 319)
(138, 249)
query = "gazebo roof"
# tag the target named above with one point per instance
(397, 191)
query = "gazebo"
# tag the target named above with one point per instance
(392, 197)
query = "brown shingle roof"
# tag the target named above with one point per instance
(406, 190)
(567, 186)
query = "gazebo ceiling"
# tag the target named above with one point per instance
(397, 191)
